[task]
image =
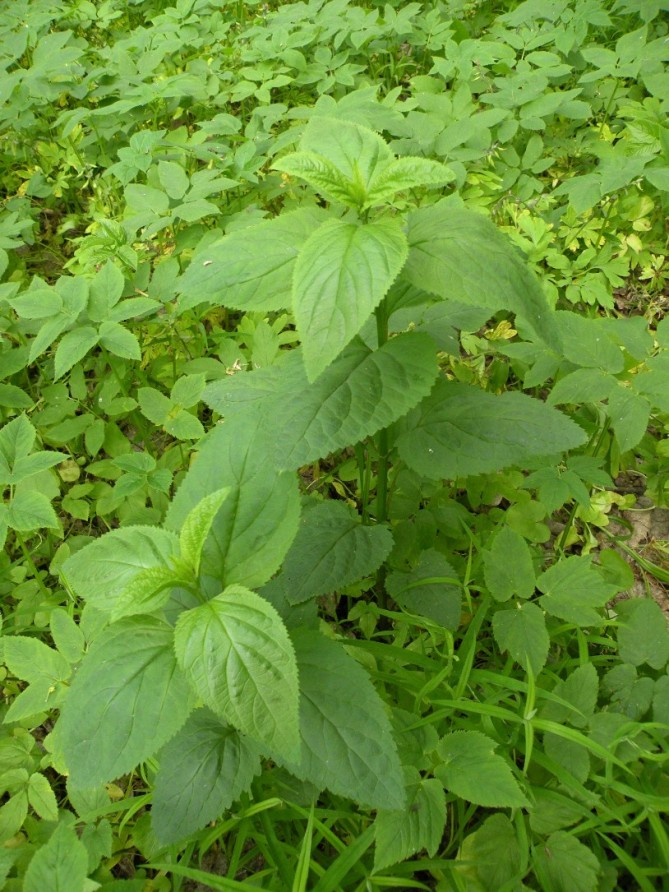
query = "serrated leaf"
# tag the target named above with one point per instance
(347, 744)
(67, 635)
(47, 334)
(13, 397)
(573, 590)
(319, 173)
(460, 255)
(400, 834)
(522, 633)
(105, 291)
(256, 524)
(332, 549)
(119, 341)
(197, 525)
(73, 347)
(127, 699)
(184, 426)
(360, 393)
(154, 404)
(28, 465)
(187, 391)
(31, 660)
(252, 268)
(41, 797)
(460, 430)
(203, 770)
(429, 589)
(507, 566)
(494, 853)
(406, 173)
(642, 634)
(173, 178)
(237, 655)
(60, 865)
(341, 275)
(567, 864)
(30, 510)
(578, 693)
(101, 571)
(148, 591)
(473, 771)
(17, 439)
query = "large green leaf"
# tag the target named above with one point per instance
(564, 864)
(507, 566)
(360, 393)
(494, 854)
(258, 520)
(60, 865)
(202, 771)
(332, 549)
(406, 173)
(347, 743)
(400, 834)
(127, 700)
(252, 268)
(460, 430)
(321, 174)
(341, 275)
(429, 589)
(473, 771)
(460, 254)
(575, 591)
(642, 634)
(522, 632)
(236, 652)
(106, 568)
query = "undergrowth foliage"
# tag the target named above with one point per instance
(327, 331)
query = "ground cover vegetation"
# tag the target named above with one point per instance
(333, 336)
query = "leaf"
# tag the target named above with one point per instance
(252, 268)
(579, 695)
(400, 834)
(642, 634)
(60, 865)
(154, 404)
(331, 550)
(566, 864)
(472, 771)
(203, 770)
(588, 342)
(106, 289)
(184, 426)
(126, 701)
(31, 660)
(347, 744)
(13, 397)
(362, 392)
(507, 566)
(148, 591)
(73, 347)
(102, 570)
(428, 589)
(187, 391)
(341, 275)
(29, 510)
(41, 797)
(256, 524)
(460, 430)
(522, 633)
(574, 590)
(406, 173)
(119, 341)
(197, 525)
(237, 655)
(17, 439)
(28, 465)
(494, 853)
(320, 174)
(67, 635)
(173, 178)
(460, 255)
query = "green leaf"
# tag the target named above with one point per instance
(428, 589)
(575, 591)
(256, 524)
(197, 525)
(119, 341)
(362, 392)
(73, 347)
(29, 465)
(31, 660)
(406, 173)
(588, 342)
(400, 834)
(17, 439)
(341, 275)
(331, 550)
(67, 635)
(148, 591)
(460, 255)
(319, 173)
(236, 653)
(127, 699)
(579, 693)
(105, 291)
(12, 815)
(643, 636)
(173, 178)
(522, 633)
(507, 566)
(61, 865)
(187, 391)
(41, 797)
(460, 430)
(203, 770)
(494, 854)
(582, 386)
(29, 510)
(472, 771)
(347, 744)
(184, 426)
(629, 414)
(252, 268)
(13, 397)
(566, 864)
(154, 404)
(102, 570)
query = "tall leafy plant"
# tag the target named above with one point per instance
(209, 656)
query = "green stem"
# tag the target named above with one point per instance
(274, 846)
